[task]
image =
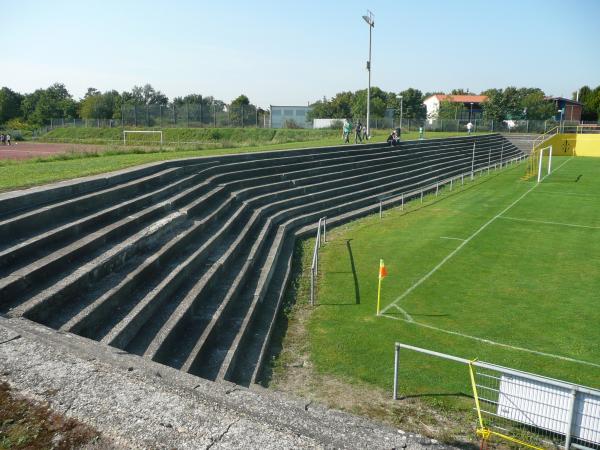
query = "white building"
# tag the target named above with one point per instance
(473, 107)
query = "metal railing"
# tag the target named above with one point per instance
(524, 408)
(449, 181)
(544, 137)
(314, 267)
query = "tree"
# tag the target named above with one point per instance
(91, 91)
(97, 105)
(536, 107)
(145, 95)
(241, 110)
(412, 104)
(513, 103)
(45, 104)
(188, 99)
(450, 110)
(591, 102)
(460, 92)
(341, 105)
(321, 109)
(10, 104)
(493, 107)
(378, 103)
(242, 100)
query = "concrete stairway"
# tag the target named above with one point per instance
(185, 262)
(522, 141)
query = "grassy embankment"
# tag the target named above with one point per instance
(111, 155)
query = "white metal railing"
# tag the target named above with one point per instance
(450, 181)
(314, 267)
(524, 407)
(543, 137)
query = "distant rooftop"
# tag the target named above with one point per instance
(566, 100)
(460, 98)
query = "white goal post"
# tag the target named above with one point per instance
(549, 148)
(126, 132)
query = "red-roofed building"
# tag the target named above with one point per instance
(473, 108)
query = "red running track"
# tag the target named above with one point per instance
(27, 150)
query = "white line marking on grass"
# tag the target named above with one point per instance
(404, 313)
(465, 242)
(546, 222)
(571, 194)
(453, 238)
(488, 341)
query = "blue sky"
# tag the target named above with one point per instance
(283, 52)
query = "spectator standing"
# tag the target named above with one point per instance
(7, 138)
(358, 135)
(364, 133)
(347, 130)
(469, 127)
(1, 139)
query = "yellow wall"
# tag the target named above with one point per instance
(574, 144)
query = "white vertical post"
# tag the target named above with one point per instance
(437, 188)
(402, 202)
(489, 159)
(380, 209)
(324, 229)
(539, 178)
(396, 362)
(569, 430)
(451, 181)
(501, 154)
(312, 286)
(550, 161)
(473, 161)
(421, 195)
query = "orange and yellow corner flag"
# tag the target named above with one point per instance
(382, 270)
(382, 274)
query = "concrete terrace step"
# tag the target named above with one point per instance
(186, 306)
(188, 265)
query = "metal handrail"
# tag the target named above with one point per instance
(314, 267)
(543, 137)
(450, 180)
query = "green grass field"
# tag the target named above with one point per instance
(501, 270)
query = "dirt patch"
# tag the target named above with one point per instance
(28, 150)
(28, 425)
(292, 371)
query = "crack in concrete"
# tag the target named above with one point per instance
(222, 435)
(14, 338)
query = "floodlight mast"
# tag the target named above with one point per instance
(369, 19)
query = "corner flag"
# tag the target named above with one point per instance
(382, 274)
(382, 270)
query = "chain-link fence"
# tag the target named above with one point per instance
(219, 116)
(179, 116)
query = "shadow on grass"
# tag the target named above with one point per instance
(436, 394)
(356, 286)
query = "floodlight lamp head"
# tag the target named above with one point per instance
(369, 20)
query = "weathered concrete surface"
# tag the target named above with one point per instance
(141, 404)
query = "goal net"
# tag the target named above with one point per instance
(135, 137)
(540, 163)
